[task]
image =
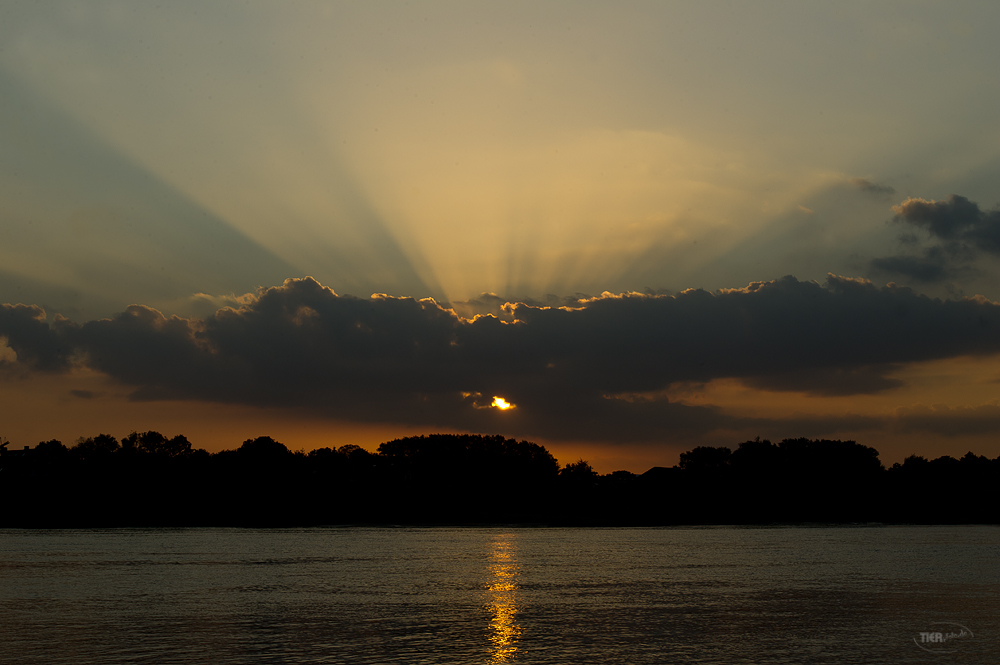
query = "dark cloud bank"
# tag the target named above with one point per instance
(584, 371)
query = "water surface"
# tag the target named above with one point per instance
(496, 595)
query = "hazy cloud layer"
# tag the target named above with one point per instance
(590, 371)
(959, 229)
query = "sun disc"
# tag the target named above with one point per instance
(501, 403)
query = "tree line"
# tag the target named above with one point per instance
(147, 479)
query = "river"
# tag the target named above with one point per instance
(867, 594)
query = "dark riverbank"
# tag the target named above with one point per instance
(149, 480)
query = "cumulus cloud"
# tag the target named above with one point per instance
(575, 372)
(956, 218)
(31, 341)
(959, 227)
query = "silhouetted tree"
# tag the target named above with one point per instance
(263, 449)
(759, 458)
(706, 460)
(579, 473)
(465, 478)
(51, 452)
(100, 447)
(151, 480)
(154, 443)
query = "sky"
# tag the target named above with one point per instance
(643, 226)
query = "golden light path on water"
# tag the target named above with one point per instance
(501, 599)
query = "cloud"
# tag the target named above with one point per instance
(931, 267)
(948, 420)
(958, 224)
(500, 307)
(30, 341)
(218, 302)
(575, 372)
(870, 187)
(829, 381)
(7, 354)
(956, 218)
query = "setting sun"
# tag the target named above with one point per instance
(501, 403)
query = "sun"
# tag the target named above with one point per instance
(501, 403)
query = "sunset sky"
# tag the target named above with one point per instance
(644, 226)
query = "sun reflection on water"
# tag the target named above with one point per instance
(501, 599)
